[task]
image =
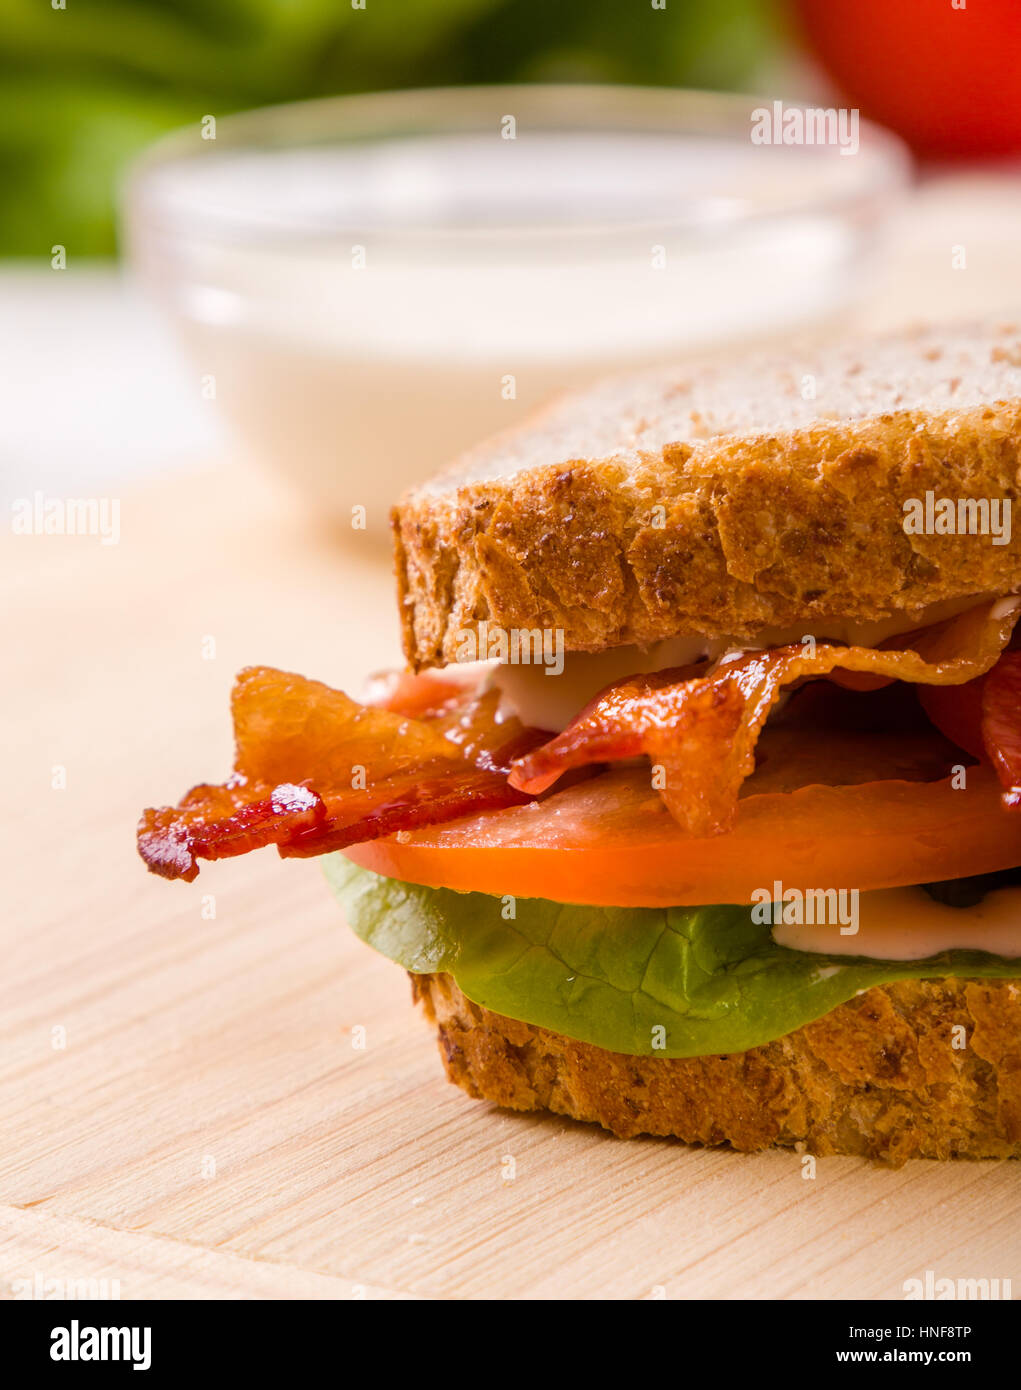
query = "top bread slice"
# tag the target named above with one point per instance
(719, 500)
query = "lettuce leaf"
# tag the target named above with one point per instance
(665, 982)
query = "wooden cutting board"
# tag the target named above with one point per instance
(183, 1105)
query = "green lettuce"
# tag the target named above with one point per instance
(665, 982)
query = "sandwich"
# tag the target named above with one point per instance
(696, 811)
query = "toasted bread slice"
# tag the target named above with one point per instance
(720, 500)
(876, 1077)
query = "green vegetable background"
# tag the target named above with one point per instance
(85, 87)
(708, 977)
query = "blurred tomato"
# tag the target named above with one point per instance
(947, 79)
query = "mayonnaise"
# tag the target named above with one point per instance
(548, 701)
(906, 924)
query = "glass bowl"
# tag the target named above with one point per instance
(371, 284)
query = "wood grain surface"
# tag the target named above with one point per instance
(183, 1105)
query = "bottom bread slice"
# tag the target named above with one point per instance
(915, 1069)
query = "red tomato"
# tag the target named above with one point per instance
(611, 841)
(947, 79)
(984, 717)
(1001, 724)
(956, 710)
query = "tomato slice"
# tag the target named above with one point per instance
(1001, 724)
(984, 718)
(956, 710)
(610, 841)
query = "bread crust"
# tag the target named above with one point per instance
(879, 1076)
(659, 506)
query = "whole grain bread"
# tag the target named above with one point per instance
(722, 499)
(879, 1076)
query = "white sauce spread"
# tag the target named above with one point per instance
(548, 701)
(906, 924)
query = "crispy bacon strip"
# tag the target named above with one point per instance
(1001, 724)
(701, 732)
(315, 771)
